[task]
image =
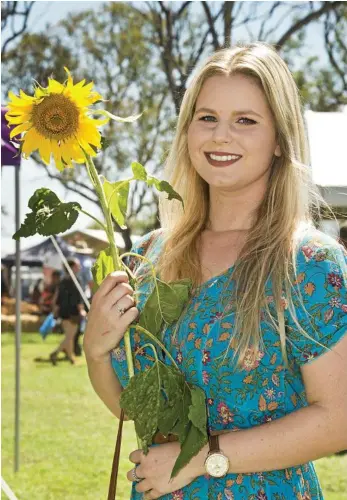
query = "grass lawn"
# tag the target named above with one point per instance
(67, 435)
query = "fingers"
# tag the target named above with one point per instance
(115, 295)
(110, 282)
(138, 472)
(125, 303)
(136, 456)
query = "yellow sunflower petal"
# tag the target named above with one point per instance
(40, 93)
(19, 110)
(55, 87)
(45, 150)
(20, 101)
(89, 133)
(71, 151)
(16, 120)
(98, 123)
(69, 78)
(57, 156)
(88, 149)
(20, 128)
(79, 85)
(26, 97)
(31, 142)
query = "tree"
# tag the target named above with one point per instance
(11, 11)
(141, 56)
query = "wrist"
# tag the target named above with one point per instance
(198, 461)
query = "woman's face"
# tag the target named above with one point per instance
(236, 121)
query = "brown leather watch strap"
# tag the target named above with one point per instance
(214, 444)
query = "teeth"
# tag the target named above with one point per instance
(223, 158)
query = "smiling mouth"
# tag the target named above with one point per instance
(227, 160)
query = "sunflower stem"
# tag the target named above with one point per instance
(117, 262)
(94, 218)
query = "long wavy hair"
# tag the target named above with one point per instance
(290, 203)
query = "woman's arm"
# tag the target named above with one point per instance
(105, 383)
(315, 431)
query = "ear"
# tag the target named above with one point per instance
(278, 151)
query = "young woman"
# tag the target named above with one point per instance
(269, 295)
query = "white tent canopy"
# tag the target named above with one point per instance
(327, 133)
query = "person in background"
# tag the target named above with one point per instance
(37, 291)
(85, 277)
(69, 307)
(47, 298)
(5, 286)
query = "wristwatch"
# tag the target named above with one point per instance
(216, 463)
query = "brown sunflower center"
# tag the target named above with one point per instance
(56, 117)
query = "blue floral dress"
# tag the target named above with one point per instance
(264, 390)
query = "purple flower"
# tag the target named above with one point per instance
(261, 495)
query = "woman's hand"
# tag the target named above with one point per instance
(155, 468)
(106, 326)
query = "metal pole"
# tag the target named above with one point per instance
(70, 271)
(18, 320)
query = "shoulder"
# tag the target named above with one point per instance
(317, 249)
(145, 245)
(142, 244)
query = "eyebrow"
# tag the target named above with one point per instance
(240, 112)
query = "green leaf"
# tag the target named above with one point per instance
(193, 443)
(105, 142)
(197, 411)
(49, 215)
(173, 296)
(28, 227)
(172, 392)
(57, 219)
(164, 186)
(41, 197)
(140, 401)
(139, 171)
(103, 266)
(117, 198)
(164, 304)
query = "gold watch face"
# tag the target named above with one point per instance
(217, 465)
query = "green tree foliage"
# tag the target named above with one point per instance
(140, 56)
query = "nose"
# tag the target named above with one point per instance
(222, 133)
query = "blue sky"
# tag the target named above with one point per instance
(33, 176)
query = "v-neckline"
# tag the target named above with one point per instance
(206, 283)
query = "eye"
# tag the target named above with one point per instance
(206, 116)
(246, 121)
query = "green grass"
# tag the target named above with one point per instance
(67, 435)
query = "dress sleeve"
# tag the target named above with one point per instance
(118, 357)
(322, 282)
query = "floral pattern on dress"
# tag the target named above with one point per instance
(264, 390)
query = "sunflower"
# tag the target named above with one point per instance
(56, 121)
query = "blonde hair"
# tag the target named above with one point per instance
(289, 205)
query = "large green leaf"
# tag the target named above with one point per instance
(140, 401)
(191, 446)
(103, 266)
(165, 303)
(197, 411)
(117, 194)
(49, 215)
